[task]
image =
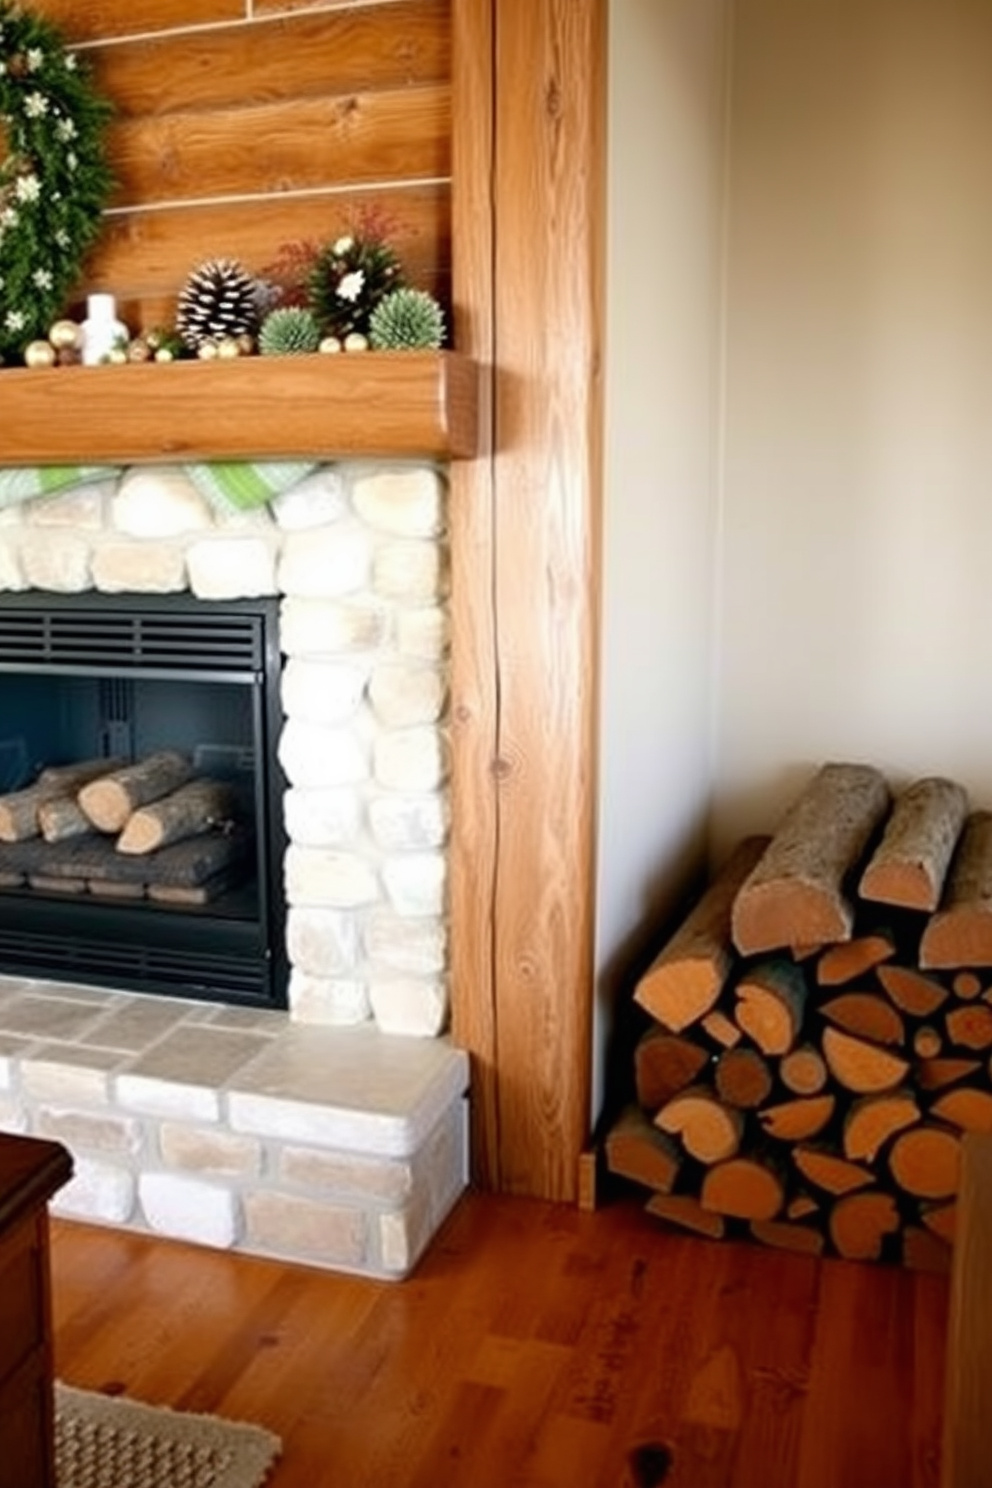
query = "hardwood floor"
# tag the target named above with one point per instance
(535, 1347)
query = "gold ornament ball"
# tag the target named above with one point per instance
(330, 346)
(65, 335)
(356, 342)
(207, 351)
(164, 354)
(228, 347)
(39, 354)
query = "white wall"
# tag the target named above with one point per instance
(666, 160)
(856, 583)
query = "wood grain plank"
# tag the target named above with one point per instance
(548, 201)
(533, 1344)
(309, 143)
(474, 785)
(425, 405)
(143, 258)
(965, 1462)
(366, 50)
(93, 20)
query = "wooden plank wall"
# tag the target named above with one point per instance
(245, 125)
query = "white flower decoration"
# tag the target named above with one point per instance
(14, 320)
(36, 105)
(42, 279)
(351, 285)
(28, 188)
(343, 245)
(65, 129)
(36, 59)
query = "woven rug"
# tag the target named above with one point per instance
(104, 1441)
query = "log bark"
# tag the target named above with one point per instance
(636, 1149)
(913, 993)
(687, 976)
(199, 806)
(873, 1119)
(926, 1161)
(867, 1016)
(859, 1223)
(710, 1131)
(688, 1213)
(910, 864)
(664, 1064)
(846, 962)
(743, 1188)
(109, 800)
(61, 818)
(796, 892)
(862, 1068)
(960, 933)
(743, 1078)
(798, 1120)
(19, 809)
(803, 1070)
(826, 1169)
(770, 1002)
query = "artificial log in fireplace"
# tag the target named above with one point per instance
(141, 843)
(819, 1029)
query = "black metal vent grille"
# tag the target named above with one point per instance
(117, 640)
(135, 967)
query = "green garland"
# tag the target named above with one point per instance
(54, 181)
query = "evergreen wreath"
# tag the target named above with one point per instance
(54, 179)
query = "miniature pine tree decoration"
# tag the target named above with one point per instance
(347, 281)
(406, 320)
(219, 300)
(290, 330)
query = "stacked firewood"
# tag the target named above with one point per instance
(819, 1029)
(82, 827)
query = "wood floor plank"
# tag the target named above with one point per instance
(536, 1346)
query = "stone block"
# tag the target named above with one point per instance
(335, 1002)
(307, 1229)
(320, 757)
(409, 572)
(322, 818)
(338, 880)
(190, 1209)
(407, 500)
(418, 946)
(322, 691)
(322, 942)
(368, 1180)
(12, 579)
(324, 627)
(416, 882)
(404, 1005)
(318, 498)
(402, 823)
(423, 632)
(403, 696)
(100, 1192)
(413, 759)
(57, 561)
(196, 1150)
(232, 567)
(159, 501)
(84, 507)
(90, 1131)
(326, 562)
(143, 568)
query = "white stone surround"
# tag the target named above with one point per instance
(325, 1135)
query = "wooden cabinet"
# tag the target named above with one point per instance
(30, 1172)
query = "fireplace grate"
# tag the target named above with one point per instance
(121, 640)
(108, 963)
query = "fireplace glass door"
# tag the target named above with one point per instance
(183, 696)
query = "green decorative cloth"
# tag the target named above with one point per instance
(230, 486)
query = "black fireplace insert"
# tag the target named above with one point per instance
(123, 678)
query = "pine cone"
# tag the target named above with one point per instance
(288, 331)
(347, 281)
(220, 298)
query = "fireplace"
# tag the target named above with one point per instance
(95, 676)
